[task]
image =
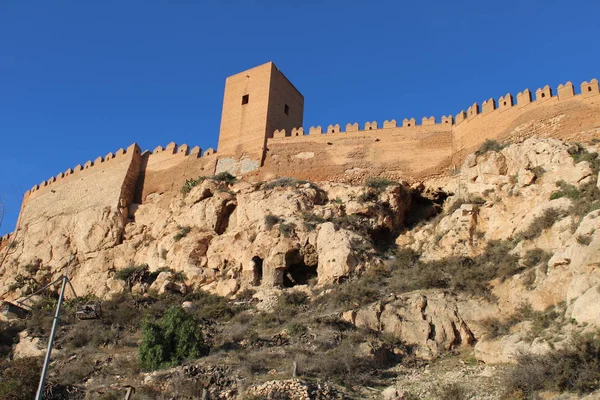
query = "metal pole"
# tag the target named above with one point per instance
(40, 391)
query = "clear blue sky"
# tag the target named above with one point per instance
(79, 79)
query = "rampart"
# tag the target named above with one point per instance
(411, 150)
(165, 170)
(416, 149)
(106, 181)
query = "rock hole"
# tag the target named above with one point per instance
(223, 221)
(424, 206)
(297, 271)
(257, 270)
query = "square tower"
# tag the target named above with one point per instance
(256, 103)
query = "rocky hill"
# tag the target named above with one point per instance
(480, 284)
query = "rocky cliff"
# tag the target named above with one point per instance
(499, 258)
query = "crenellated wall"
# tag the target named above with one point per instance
(165, 170)
(411, 150)
(107, 181)
(415, 150)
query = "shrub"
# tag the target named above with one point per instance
(288, 182)
(311, 220)
(175, 337)
(489, 145)
(540, 223)
(183, 231)
(271, 220)
(579, 154)
(139, 274)
(379, 183)
(19, 378)
(496, 327)
(32, 268)
(220, 177)
(566, 190)
(224, 177)
(574, 368)
(538, 171)
(535, 257)
(296, 329)
(287, 230)
(450, 391)
(367, 197)
(191, 183)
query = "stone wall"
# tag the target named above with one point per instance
(414, 151)
(165, 170)
(105, 182)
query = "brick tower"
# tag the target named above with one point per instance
(257, 102)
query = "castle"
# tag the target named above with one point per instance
(261, 136)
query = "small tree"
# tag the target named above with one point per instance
(175, 337)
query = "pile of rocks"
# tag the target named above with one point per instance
(294, 389)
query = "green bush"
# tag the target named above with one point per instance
(566, 190)
(379, 183)
(489, 145)
(175, 337)
(191, 183)
(540, 223)
(224, 177)
(311, 220)
(137, 274)
(183, 232)
(220, 177)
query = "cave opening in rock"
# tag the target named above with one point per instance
(223, 221)
(297, 271)
(383, 239)
(257, 270)
(424, 207)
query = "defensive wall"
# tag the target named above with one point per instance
(415, 149)
(411, 150)
(106, 181)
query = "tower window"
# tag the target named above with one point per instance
(245, 99)
(286, 109)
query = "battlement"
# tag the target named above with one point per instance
(89, 166)
(429, 123)
(491, 105)
(181, 150)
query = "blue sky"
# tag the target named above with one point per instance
(79, 79)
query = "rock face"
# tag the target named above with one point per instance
(427, 322)
(220, 237)
(225, 238)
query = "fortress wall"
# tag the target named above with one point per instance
(561, 114)
(165, 170)
(415, 151)
(101, 183)
(350, 156)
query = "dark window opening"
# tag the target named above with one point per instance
(504, 103)
(589, 88)
(297, 272)
(408, 125)
(543, 94)
(286, 109)
(370, 127)
(245, 99)
(257, 270)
